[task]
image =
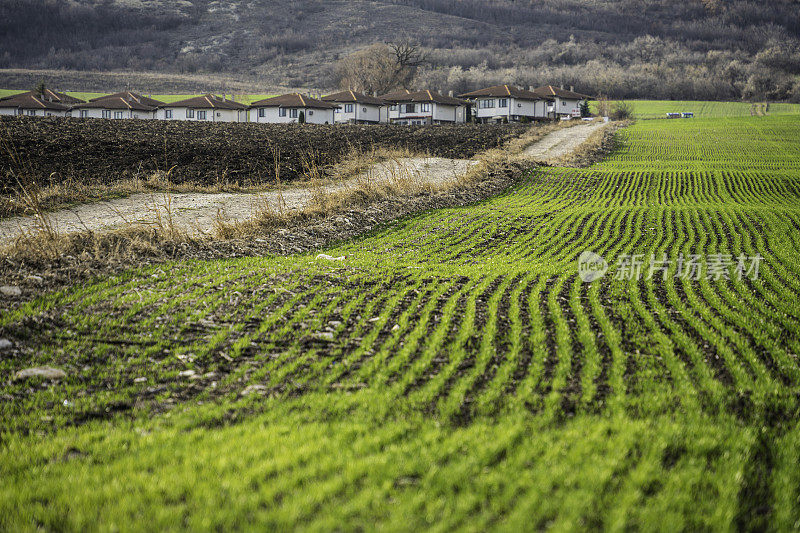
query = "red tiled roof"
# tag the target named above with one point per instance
(131, 97)
(425, 96)
(500, 91)
(207, 101)
(354, 97)
(551, 92)
(31, 101)
(294, 100)
(49, 95)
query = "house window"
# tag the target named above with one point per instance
(201, 115)
(503, 102)
(563, 104)
(118, 114)
(393, 107)
(409, 108)
(262, 112)
(190, 113)
(336, 109)
(363, 109)
(106, 113)
(282, 112)
(20, 112)
(84, 113)
(219, 114)
(293, 113)
(31, 112)
(168, 113)
(426, 108)
(310, 112)
(348, 108)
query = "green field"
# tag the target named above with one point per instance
(452, 372)
(660, 108)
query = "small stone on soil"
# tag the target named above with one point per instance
(254, 389)
(46, 372)
(10, 290)
(330, 257)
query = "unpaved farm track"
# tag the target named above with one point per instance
(197, 213)
(561, 142)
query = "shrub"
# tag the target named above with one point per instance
(622, 111)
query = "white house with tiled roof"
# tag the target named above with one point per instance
(506, 103)
(206, 108)
(425, 107)
(121, 105)
(289, 108)
(563, 103)
(32, 104)
(357, 108)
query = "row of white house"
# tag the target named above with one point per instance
(502, 103)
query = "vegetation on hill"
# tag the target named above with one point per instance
(450, 370)
(698, 50)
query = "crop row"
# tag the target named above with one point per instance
(475, 311)
(453, 367)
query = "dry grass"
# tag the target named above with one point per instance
(365, 189)
(594, 148)
(31, 198)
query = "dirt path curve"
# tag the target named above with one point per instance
(198, 213)
(561, 142)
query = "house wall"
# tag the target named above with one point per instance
(212, 115)
(448, 113)
(565, 106)
(365, 112)
(516, 108)
(97, 112)
(178, 113)
(435, 113)
(272, 116)
(38, 112)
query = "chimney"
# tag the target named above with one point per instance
(450, 93)
(531, 88)
(562, 86)
(572, 88)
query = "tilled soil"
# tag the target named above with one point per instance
(56, 150)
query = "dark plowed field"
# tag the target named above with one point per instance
(207, 153)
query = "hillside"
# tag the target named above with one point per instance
(709, 49)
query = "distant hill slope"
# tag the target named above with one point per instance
(656, 48)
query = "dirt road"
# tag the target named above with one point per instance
(197, 213)
(561, 142)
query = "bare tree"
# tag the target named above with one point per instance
(380, 68)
